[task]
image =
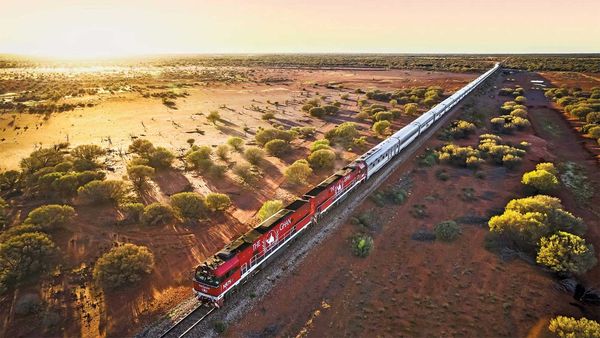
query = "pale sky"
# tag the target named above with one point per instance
(79, 28)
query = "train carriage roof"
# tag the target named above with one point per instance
(271, 221)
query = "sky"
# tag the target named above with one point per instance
(105, 28)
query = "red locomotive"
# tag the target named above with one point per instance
(236, 261)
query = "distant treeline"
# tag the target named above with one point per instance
(446, 62)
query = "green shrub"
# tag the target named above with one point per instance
(542, 180)
(269, 208)
(520, 99)
(41, 158)
(9, 180)
(141, 147)
(236, 143)
(139, 174)
(594, 132)
(189, 205)
(381, 128)
(157, 214)
(223, 152)
(123, 265)
(161, 158)
(217, 202)
(277, 147)
(344, 134)
(362, 245)
(330, 109)
(298, 172)
(132, 211)
(565, 252)
(213, 117)
(447, 231)
(254, 155)
(383, 116)
(88, 152)
(103, 191)
(265, 135)
(568, 327)
(23, 255)
(320, 144)
(322, 159)
(199, 158)
(247, 174)
(411, 109)
(18, 230)
(50, 216)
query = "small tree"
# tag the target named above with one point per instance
(246, 173)
(50, 216)
(161, 158)
(24, 254)
(88, 152)
(277, 147)
(123, 265)
(223, 152)
(565, 252)
(189, 205)
(381, 128)
(141, 147)
(139, 174)
(362, 245)
(132, 211)
(236, 143)
(254, 155)
(317, 112)
(157, 214)
(104, 191)
(322, 159)
(447, 231)
(200, 159)
(298, 172)
(569, 327)
(213, 117)
(217, 202)
(269, 208)
(541, 180)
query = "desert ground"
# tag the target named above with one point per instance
(114, 118)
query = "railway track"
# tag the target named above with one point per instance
(185, 325)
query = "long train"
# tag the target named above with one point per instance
(219, 274)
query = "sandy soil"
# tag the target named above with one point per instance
(113, 122)
(411, 288)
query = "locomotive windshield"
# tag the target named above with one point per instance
(206, 277)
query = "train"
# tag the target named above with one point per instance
(237, 261)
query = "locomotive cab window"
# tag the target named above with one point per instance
(207, 278)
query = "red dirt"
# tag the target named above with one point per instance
(410, 288)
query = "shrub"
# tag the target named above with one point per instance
(139, 174)
(593, 118)
(330, 109)
(88, 152)
(254, 155)
(277, 147)
(236, 143)
(199, 159)
(520, 99)
(161, 158)
(9, 180)
(265, 135)
(381, 128)
(565, 252)
(344, 133)
(594, 132)
(3, 212)
(248, 174)
(41, 158)
(298, 172)
(213, 117)
(132, 211)
(541, 180)
(411, 109)
(189, 205)
(24, 254)
(18, 230)
(460, 129)
(141, 147)
(569, 327)
(322, 159)
(461, 156)
(123, 265)
(50, 216)
(269, 208)
(103, 191)
(157, 214)
(320, 144)
(522, 113)
(217, 202)
(362, 245)
(383, 116)
(526, 220)
(447, 231)
(223, 152)
(304, 132)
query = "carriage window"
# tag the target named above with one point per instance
(207, 278)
